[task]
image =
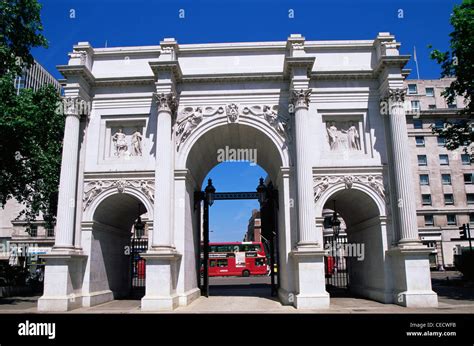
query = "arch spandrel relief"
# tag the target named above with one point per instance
(93, 189)
(190, 117)
(374, 181)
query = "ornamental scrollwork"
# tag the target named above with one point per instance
(375, 182)
(190, 118)
(95, 188)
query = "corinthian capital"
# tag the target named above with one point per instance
(166, 102)
(395, 95)
(300, 98)
(75, 106)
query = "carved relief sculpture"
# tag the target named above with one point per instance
(192, 118)
(375, 182)
(232, 112)
(120, 143)
(137, 140)
(94, 188)
(343, 139)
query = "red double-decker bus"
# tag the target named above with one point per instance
(237, 259)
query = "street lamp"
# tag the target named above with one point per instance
(335, 223)
(139, 225)
(261, 191)
(210, 191)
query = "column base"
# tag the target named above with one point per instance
(96, 298)
(312, 302)
(62, 281)
(428, 299)
(189, 296)
(167, 303)
(160, 290)
(311, 280)
(411, 276)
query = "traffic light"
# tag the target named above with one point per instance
(463, 233)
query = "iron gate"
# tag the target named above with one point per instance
(138, 246)
(336, 262)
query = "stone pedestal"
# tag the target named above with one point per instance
(412, 277)
(62, 281)
(311, 282)
(160, 290)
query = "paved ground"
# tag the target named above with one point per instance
(252, 295)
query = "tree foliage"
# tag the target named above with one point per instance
(20, 30)
(31, 128)
(459, 63)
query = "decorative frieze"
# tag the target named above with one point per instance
(375, 182)
(93, 189)
(191, 117)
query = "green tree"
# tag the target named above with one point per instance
(459, 63)
(31, 128)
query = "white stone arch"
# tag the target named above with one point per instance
(88, 215)
(330, 191)
(271, 144)
(364, 213)
(252, 121)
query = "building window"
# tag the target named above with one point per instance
(466, 159)
(470, 198)
(448, 199)
(412, 89)
(446, 179)
(444, 160)
(431, 106)
(441, 141)
(468, 178)
(439, 124)
(452, 105)
(33, 231)
(50, 232)
(418, 124)
(429, 220)
(422, 161)
(424, 179)
(471, 219)
(426, 199)
(415, 106)
(430, 92)
(451, 219)
(420, 141)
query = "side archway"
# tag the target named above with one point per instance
(364, 214)
(106, 239)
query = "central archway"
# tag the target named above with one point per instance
(198, 155)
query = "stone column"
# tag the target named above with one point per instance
(163, 173)
(409, 261)
(403, 176)
(64, 265)
(68, 178)
(306, 225)
(161, 258)
(309, 254)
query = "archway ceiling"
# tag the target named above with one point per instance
(204, 153)
(119, 210)
(353, 205)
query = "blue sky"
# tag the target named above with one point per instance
(146, 22)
